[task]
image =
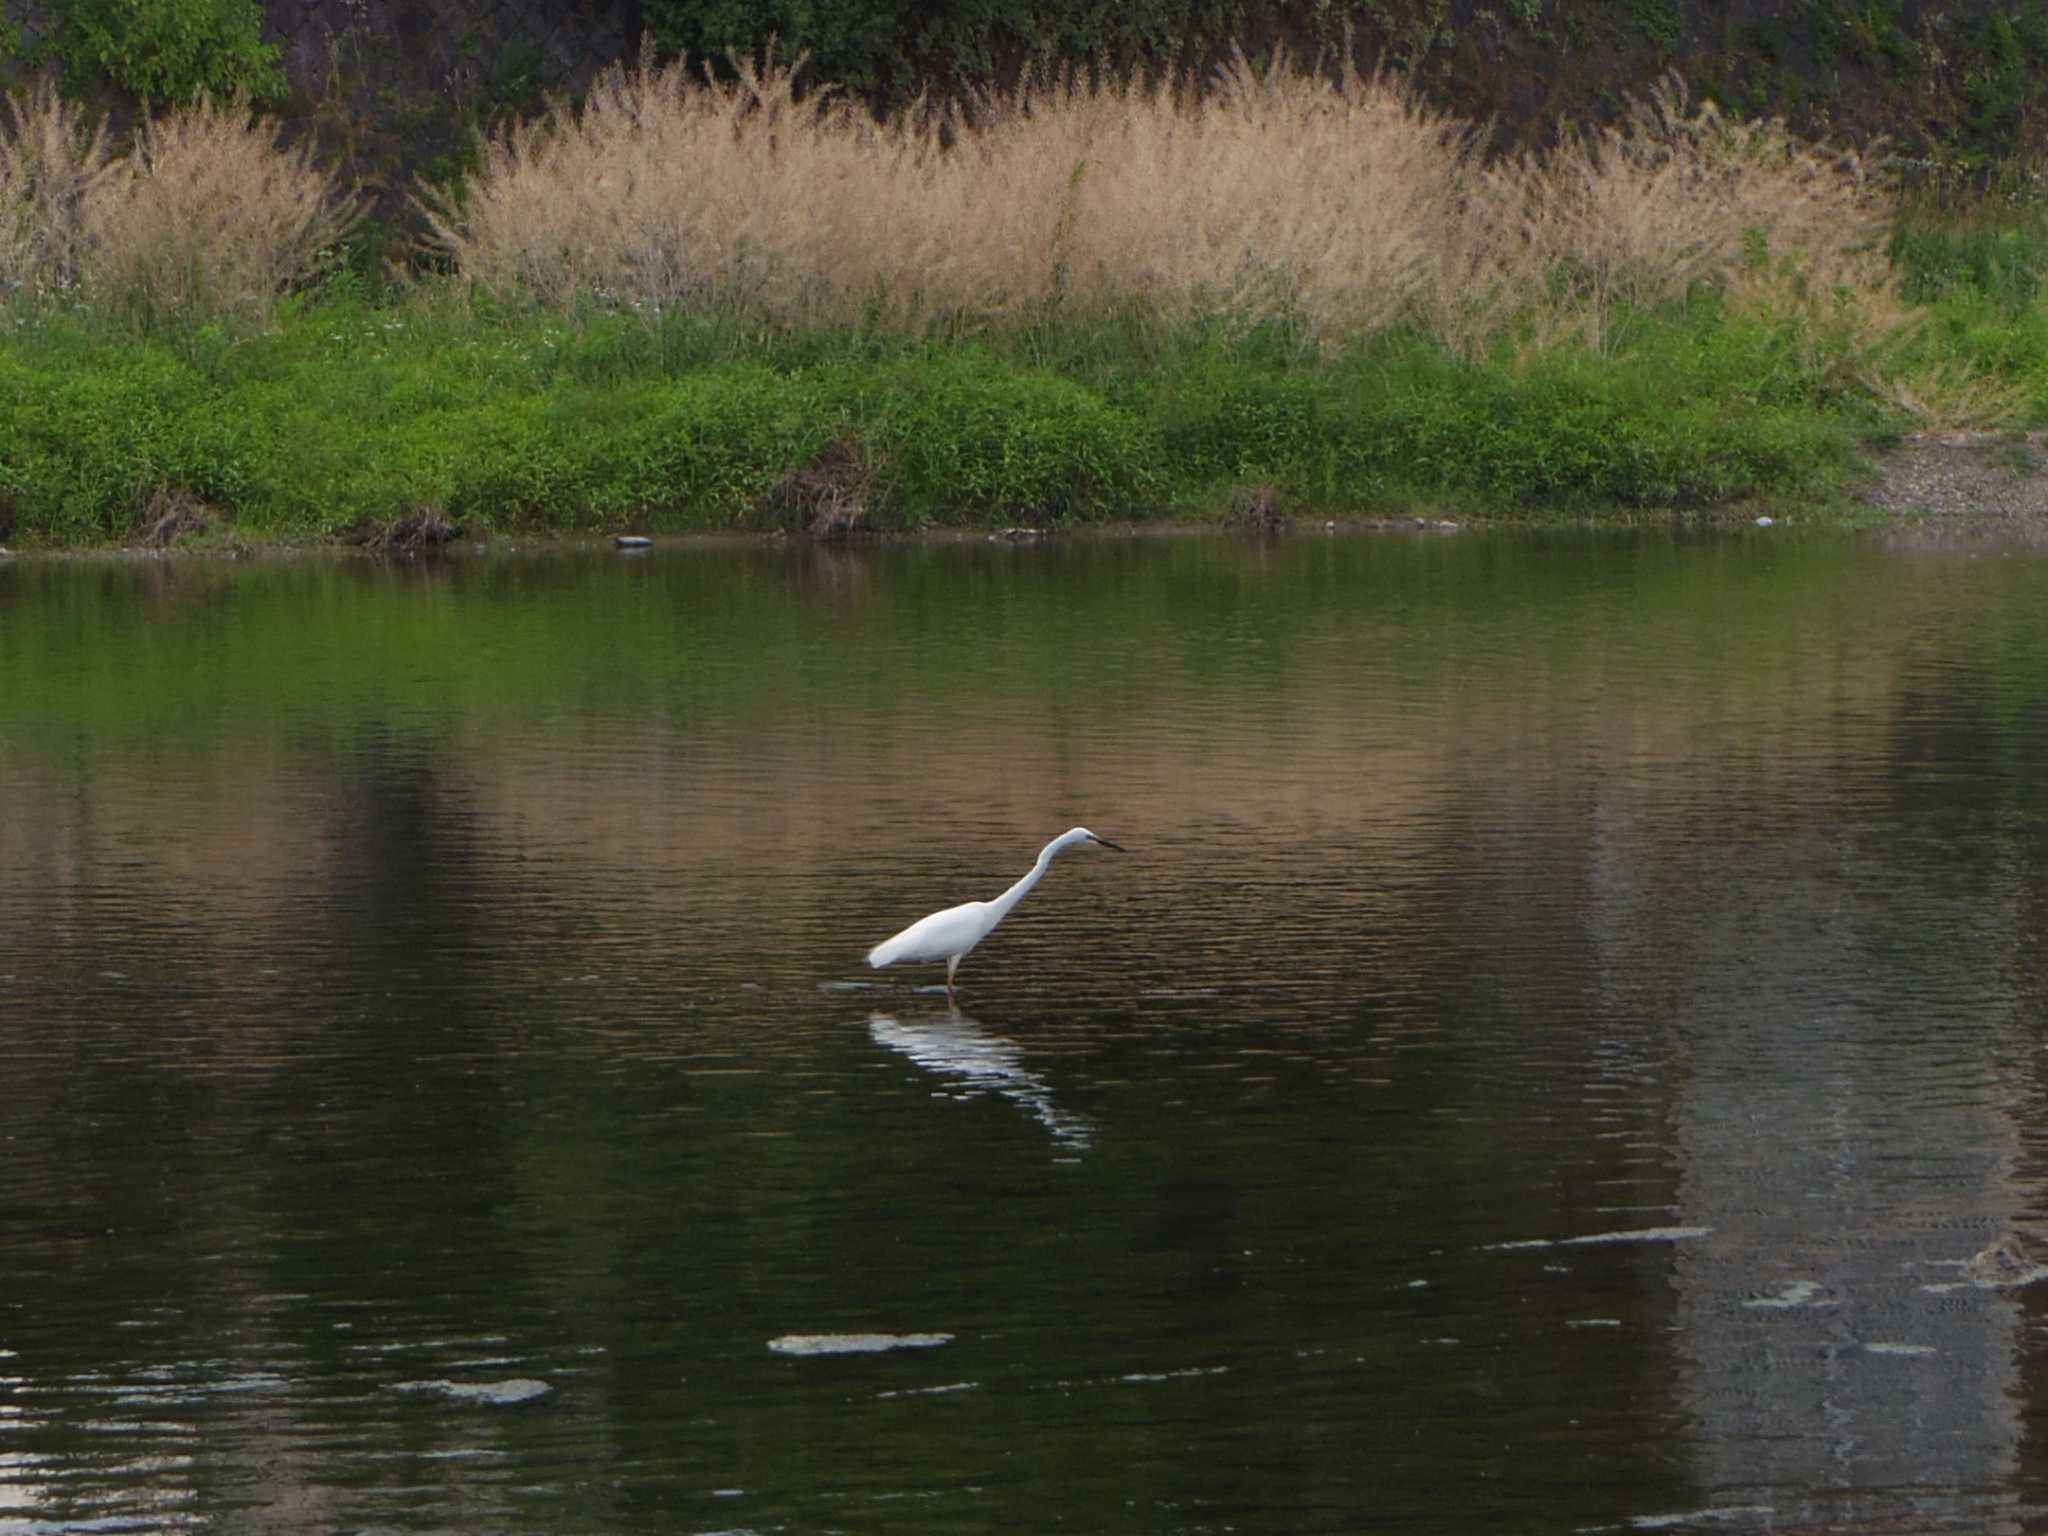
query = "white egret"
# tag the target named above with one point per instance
(950, 934)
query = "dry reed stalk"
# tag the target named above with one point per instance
(1342, 199)
(1946, 397)
(1676, 194)
(51, 162)
(665, 188)
(211, 215)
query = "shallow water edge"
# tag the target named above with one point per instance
(1906, 500)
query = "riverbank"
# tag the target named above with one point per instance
(1923, 486)
(344, 420)
(685, 307)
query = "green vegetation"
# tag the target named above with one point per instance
(1660, 23)
(690, 306)
(344, 416)
(1965, 82)
(888, 51)
(169, 52)
(1975, 350)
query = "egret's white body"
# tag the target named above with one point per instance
(950, 934)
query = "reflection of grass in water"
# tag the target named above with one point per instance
(304, 650)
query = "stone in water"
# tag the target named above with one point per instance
(497, 1394)
(854, 1343)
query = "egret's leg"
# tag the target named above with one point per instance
(952, 965)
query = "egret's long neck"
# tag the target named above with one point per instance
(1002, 904)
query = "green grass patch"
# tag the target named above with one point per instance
(1974, 263)
(344, 415)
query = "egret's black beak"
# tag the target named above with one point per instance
(1119, 847)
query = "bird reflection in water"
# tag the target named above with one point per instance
(975, 1061)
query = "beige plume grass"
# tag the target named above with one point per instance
(1340, 197)
(208, 214)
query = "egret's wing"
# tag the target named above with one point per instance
(938, 937)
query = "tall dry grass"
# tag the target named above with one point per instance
(52, 165)
(208, 214)
(1344, 200)
(1347, 201)
(1337, 198)
(211, 214)
(1677, 194)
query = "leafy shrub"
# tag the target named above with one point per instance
(342, 414)
(82, 450)
(709, 444)
(885, 51)
(1578, 429)
(965, 436)
(693, 452)
(171, 52)
(1237, 422)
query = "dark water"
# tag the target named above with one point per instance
(1571, 1014)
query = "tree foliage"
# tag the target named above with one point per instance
(170, 52)
(887, 51)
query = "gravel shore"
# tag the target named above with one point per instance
(1965, 482)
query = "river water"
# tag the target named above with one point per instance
(1563, 1051)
